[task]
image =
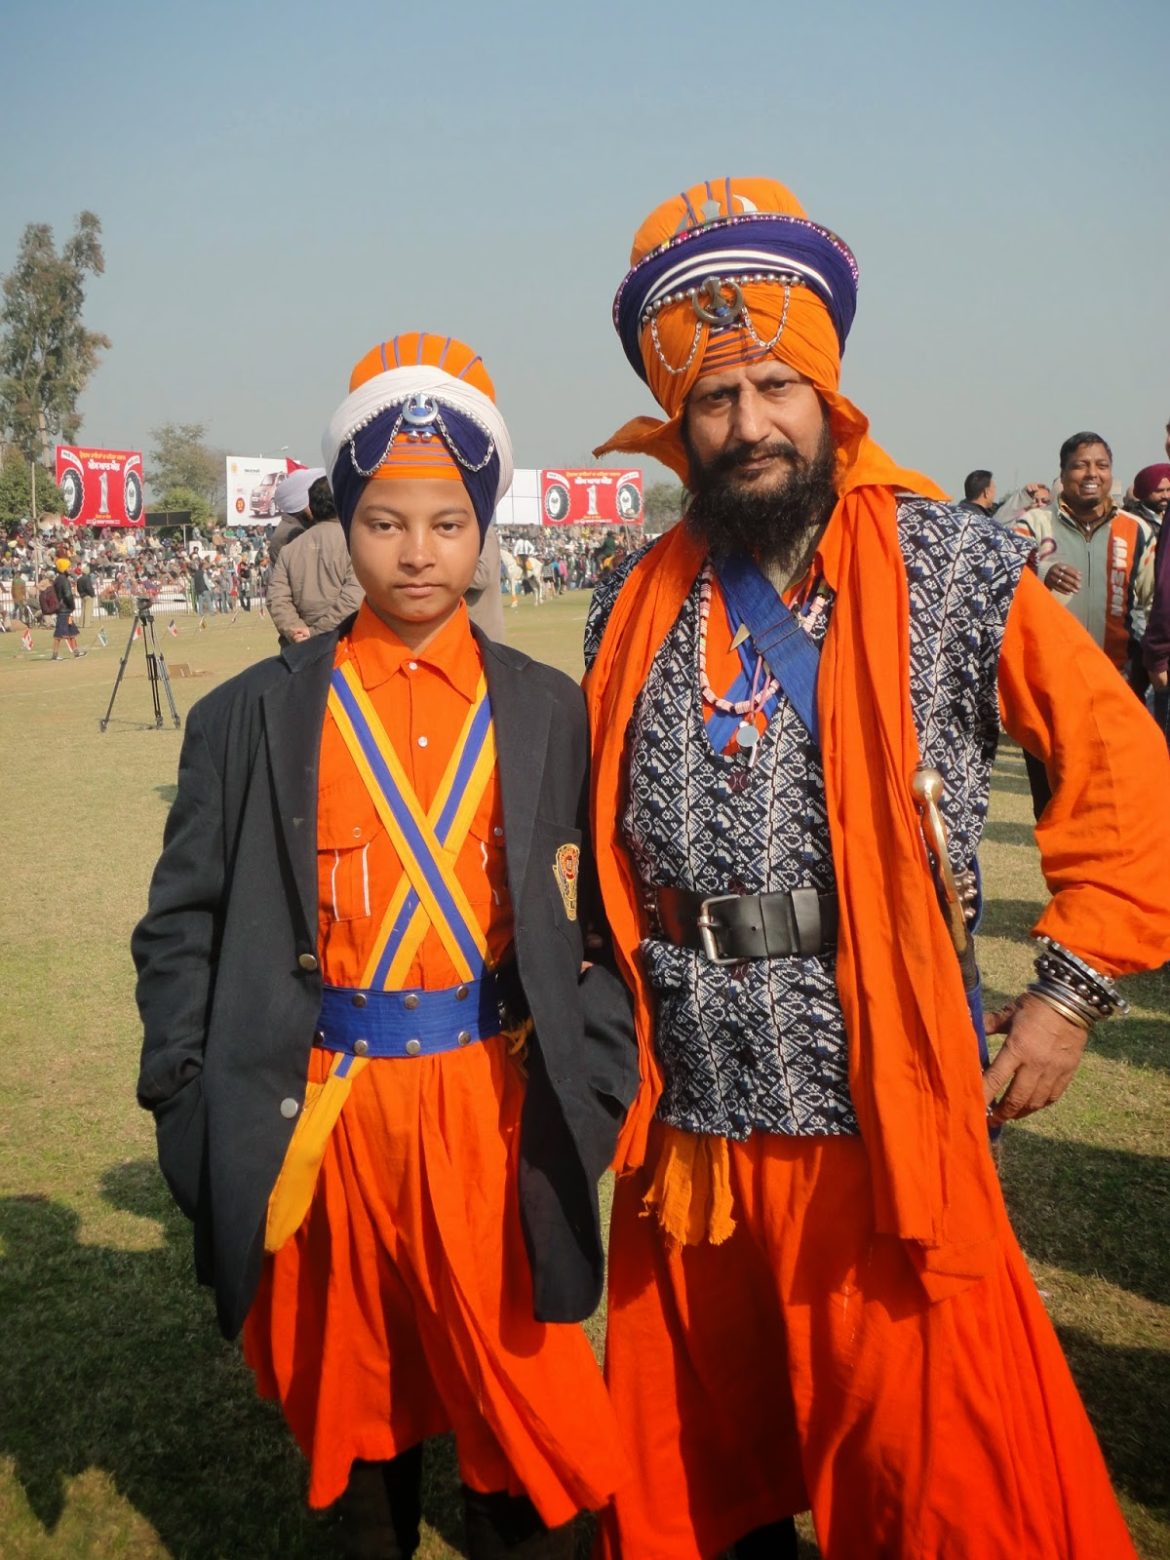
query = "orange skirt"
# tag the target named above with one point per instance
(800, 1364)
(402, 1307)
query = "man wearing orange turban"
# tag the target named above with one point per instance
(816, 1298)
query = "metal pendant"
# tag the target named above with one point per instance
(746, 736)
(420, 411)
(718, 301)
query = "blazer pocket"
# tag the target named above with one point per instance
(180, 1125)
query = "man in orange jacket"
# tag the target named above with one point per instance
(827, 1306)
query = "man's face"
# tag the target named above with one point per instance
(1160, 497)
(1087, 479)
(758, 423)
(414, 547)
(762, 462)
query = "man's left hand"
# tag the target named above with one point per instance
(1037, 1061)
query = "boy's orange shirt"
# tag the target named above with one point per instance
(422, 698)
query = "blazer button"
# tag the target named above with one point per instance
(289, 1108)
(410, 1002)
(461, 993)
(307, 961)
(464, 1037)
(361, 1048)
(413, 1047)
(359, 999)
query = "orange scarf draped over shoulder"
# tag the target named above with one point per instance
(913, 1063)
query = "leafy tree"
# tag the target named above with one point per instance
(182, 458)
(16, 491)
(46, 354)
(180, 498)
(664, 503)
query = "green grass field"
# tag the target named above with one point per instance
(127, 1428)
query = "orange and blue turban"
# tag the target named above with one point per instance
(420, 407)
(732, 271)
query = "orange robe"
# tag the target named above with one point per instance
(402, 1307)
(907, 1386)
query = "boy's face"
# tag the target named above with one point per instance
(414, 547)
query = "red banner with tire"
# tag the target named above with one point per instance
(100, 487)
(599, 495)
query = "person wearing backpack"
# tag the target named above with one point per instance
(64, 628)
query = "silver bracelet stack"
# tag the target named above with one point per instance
(1074, 988)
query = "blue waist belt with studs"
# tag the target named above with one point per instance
(366, 1022)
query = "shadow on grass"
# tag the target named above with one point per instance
(119, 1367)
(1013, 780)
(1127, 1394)
(1010, 918)
(1095, 1211)
(1139, 1041)
(999, 831)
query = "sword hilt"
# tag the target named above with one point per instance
(927, 786)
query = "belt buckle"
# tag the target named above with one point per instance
(708, 927)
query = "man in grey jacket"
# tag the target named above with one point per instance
(313, 586)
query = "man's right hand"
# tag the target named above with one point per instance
(299, 635)
(1064, 578)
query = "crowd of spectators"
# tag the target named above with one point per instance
(224, 571)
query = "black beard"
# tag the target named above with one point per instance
(772, 526)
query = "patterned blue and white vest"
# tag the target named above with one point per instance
(760, 1046)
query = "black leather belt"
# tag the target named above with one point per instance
(729, 928)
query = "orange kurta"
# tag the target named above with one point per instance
(402, 1307)
(818, 1356)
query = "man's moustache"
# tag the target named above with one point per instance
(744, 454)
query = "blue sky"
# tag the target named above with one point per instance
(282, 186)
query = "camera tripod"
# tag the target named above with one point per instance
(156, 666)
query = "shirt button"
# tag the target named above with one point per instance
(357, 833)
(307, 961)
(412, 666)
(499, 833)
(422, 742)
(289, 1108)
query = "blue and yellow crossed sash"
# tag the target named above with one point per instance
(428, 894)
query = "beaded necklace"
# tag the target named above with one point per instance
(747, 734)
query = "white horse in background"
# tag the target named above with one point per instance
(512, 573)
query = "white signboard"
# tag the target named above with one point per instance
(251, 488)
(520, 505)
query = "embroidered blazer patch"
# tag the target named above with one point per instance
(568, 859)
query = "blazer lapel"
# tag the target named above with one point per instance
(522, 715)
(294, 714)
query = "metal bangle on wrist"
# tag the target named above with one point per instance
(1074, 987)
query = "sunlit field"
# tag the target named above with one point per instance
(127, 1427)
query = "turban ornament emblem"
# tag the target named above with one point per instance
(718, 302)
(419, 415)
